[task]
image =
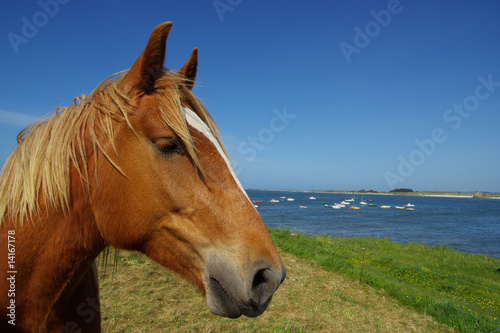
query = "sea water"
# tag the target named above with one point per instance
(464, 224)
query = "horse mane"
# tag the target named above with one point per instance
(40, 165)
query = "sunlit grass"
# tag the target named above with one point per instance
(144, 297)
(458, 289)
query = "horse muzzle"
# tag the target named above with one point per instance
(232, 294)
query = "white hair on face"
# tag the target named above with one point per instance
(194, 121)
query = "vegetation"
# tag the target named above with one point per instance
(458, 289)
(144, 297)
(401, 190)
(403, 288)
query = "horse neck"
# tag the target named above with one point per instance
(55, 254)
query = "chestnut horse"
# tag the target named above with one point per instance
(138, 165)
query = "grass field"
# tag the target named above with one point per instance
(322, 292)
(461, 290)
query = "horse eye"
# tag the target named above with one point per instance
(167, 146)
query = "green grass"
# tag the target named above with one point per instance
(144, 297)
(403, 288)
(458, 289)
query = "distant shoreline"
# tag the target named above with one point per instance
(411, 194)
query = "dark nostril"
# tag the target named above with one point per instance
(263, 287)
(264, 284)
(259, 278)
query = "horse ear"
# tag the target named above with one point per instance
(149, 66)
(188, 71)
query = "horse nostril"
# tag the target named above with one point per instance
(259, 279)
(264, 283)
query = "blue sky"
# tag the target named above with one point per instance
(342, 95)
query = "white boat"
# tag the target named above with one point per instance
(336, 207)
(410, 205)
(303, 206)
(362, 202)
(274, 200)
(400, 207)
(345, 202)
(410, 209)
(290, 199)
(312, 198)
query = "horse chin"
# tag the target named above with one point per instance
(221, 304)
(231, 294)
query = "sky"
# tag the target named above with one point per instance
(308, 95)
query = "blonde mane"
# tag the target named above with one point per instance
(40, 165)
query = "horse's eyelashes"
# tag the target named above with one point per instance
(167, 146)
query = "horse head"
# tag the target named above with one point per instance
(164, 186)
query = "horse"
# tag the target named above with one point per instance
(138, 165)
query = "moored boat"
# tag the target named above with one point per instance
(362, 202)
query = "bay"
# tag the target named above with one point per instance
(464, 224)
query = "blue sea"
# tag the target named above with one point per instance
(464, 224)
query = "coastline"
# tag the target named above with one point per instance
(450, 196)
(410, 194)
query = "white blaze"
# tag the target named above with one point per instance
(195, 121)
